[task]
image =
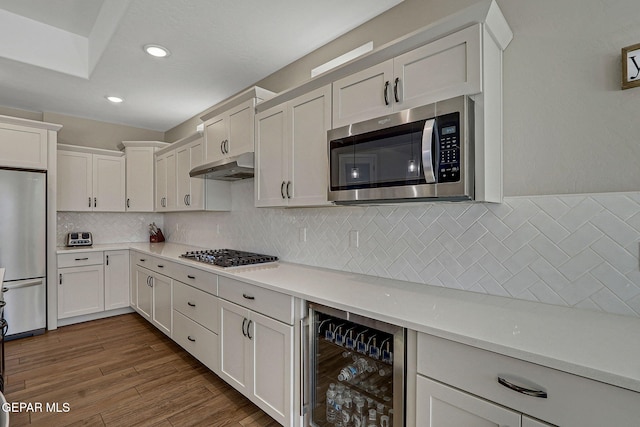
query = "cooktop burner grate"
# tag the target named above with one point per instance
(228, 257)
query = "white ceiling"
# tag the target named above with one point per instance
(65, 56)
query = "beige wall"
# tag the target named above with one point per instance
(23, 114)
(96, 134)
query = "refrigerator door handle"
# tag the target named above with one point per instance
(22, 284)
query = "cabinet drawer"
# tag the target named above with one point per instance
(270, 303)
(200, 342)
(203, 280)
(571, 400)
(196, 305)
(78, 259)
(156, 264)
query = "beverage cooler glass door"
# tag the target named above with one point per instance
(356, 370)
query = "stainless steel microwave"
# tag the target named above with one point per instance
(420, 154)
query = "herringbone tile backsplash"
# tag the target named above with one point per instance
(571, 250)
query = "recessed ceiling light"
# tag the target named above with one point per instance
(115, 99)
(156, 50)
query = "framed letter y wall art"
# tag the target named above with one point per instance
(631, 66)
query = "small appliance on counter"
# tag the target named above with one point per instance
(79, 238)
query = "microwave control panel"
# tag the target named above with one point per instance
(448, 147)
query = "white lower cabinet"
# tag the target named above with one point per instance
(80, 291)
(91, 283)
(439, 405)
(195, 323)
(460, 385)
(256, 358)
(154, 298)
(116, 279)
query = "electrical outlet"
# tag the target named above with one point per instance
(354, 238)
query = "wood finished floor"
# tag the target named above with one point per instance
(120, 371)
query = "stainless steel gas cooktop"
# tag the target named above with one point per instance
(228, 257)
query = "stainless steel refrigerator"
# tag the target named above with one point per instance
(23, 224)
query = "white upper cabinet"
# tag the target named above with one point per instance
(176, 190)
(291, 153)
(229, 128)
(140, 174)
(190, 191)
(25, 143)
(445, 68)
(231, 133)
(88, 181)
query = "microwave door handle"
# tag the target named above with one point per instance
(428, 135)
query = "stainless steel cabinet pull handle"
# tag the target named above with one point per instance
(191, 339)
(251, 297)
(107, 259)
(190, 276)
(188, 199)
(395, 89)
(386, 89)
(142, 260)
(190, 304)
(288, 185)
(222, 146)
(244, 323)
(282, 190)
(249, 329)
(160, 266)
(529, 392)
(3, 289)
(95, 202)
(81, 259)
(226, 145)
(89, 201)
(128, 205)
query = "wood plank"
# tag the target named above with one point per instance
(120, 371)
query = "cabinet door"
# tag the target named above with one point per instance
(241, 129)
(139, 179)
(80, 291)
(143, 293)
(216, 136)
(161, 184)
(172, 189)
(108, 183)
(196, 185)
(23, 147)
(272, 348)
(438, 405)
(235, 363)
(310, 117)
(363, 95)
(183, 166)
(270, 157)
(440, 70)
(116, 279)
(75, 174)
(162, 310)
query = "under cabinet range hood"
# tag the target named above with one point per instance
(229, 169)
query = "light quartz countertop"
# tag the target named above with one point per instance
(599, 346)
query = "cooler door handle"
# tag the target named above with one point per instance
(429, 134)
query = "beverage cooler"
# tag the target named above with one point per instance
(355, 375)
